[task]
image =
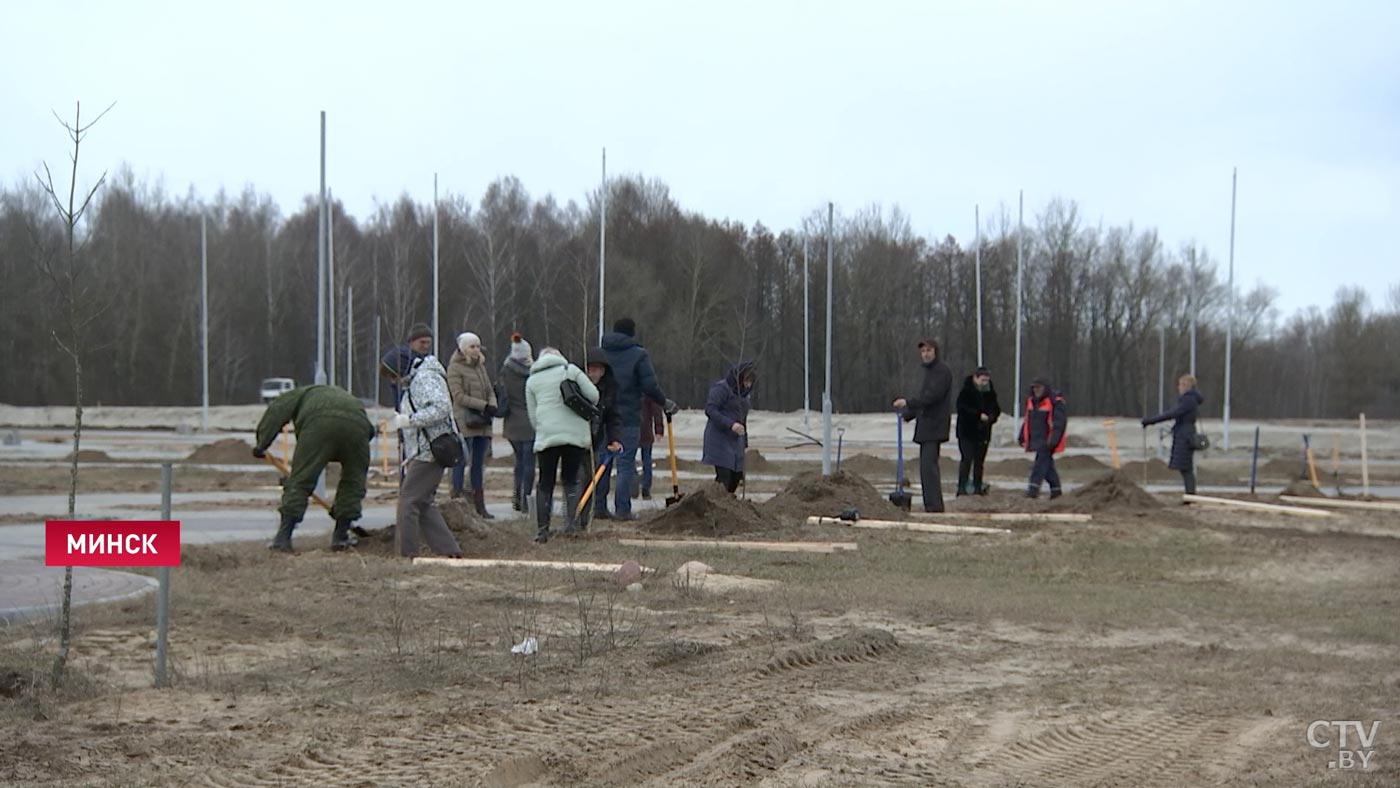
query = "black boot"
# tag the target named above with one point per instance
(515, 500)
(1055, 493)
(543, 505)
(341, 538)
(577, 522)
(479, 500)
(282, 542)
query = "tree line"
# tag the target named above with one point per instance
(1097, 301)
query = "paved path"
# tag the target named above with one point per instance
(29, 590)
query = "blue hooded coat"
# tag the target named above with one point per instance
(726, 405)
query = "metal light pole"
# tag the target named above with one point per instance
(1194, 296)
(321, 267)
(602, 243)
(826, 394)
(977, 219)
(1230, 320)
(1020, 252)
(330, 287)
(204, 319)
(1161, 367)
(349, 339)
(806, 339)
(435, 266)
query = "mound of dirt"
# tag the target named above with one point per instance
(809, 493)
(229, 451)
(477, 537)
(755, 462)
(89, 455)
(869, 466)
(1077, 441)
(682, 464)
(1113, 492)
(1302, 489)
(1159, 473)
(1015, 469)
(1078, 463)
(709, 511)
(1282, 468)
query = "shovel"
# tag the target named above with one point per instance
(899, 497)
(676, 494)
(598, 474)
(285, 471)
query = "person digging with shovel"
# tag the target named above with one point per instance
(331, 426)
(931, 409)
(726, 424)
(606, 429)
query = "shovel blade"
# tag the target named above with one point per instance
(903, 500)
(672, 500)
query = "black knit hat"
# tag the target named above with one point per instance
(419, 331)
(626, 326)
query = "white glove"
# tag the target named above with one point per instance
(399, 422)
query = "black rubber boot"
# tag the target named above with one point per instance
(543, 506)
(479, 501)
(1055, 493)
(577, 524)
(515, 500)
(282, 542)
(1032, 492)
(341, 538)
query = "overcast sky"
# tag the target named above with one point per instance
(763, 111)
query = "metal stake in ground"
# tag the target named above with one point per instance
(163, 592)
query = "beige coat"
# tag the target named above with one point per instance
(471, 388)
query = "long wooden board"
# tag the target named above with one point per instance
(482, 563)
(1007, 517)
(1262, 507)
(1341, 503)
(900, 525)
(775, 547)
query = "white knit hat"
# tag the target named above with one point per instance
(519, 348)
(466, 340)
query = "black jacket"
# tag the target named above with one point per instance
(1045, 422)
(607, 427)
(971, 405)
(1187, 407)
(931, 404)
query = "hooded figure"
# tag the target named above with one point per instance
(1188, 405)
(606, 430)
(726, 424)
(425, 413)
(636, 378)
(561, 435)
(1043, 432)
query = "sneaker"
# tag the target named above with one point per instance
(646, 494)
(626, 517)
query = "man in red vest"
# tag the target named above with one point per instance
(1043, 432)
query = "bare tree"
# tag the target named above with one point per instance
(68, 276)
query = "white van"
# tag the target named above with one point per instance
(272, 388)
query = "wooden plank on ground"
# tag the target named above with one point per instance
(1257, 506)
(1007, 517)
(482, 563)
(900, 525)
(1342, 503)
(775, 547)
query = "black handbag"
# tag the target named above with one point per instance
(1199, 441)
(447, 449)
(476, 418)
(576, 402)
(502, 402)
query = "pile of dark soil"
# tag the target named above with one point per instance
(873, 467)
(1076, 441)
(809, 493)
(1078, 463)
(709, 511)
(89, 455)
(755, 462)
(1014, 469)
(229, 451)
(478, 538)
(1113, 492)
(1159, 473)
(1282, 468)
(1303, 489)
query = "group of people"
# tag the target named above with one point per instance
(561, 419)
(1042, 432)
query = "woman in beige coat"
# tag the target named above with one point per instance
(474, 405)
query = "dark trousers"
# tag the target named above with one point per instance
(316, 446)
(600, 492)
(524, 467)
(1188, 478)
(646, 466)
(929, 476)
(974, 459)
(1044, 471)
(568, 460)
(729, 478)
(474, 451)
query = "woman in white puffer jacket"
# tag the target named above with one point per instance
(425, 412)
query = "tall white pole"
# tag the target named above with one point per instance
(806, 338)
(435, 265)
(826, 394)
(1161, 367)
(1230, 319)
(1020, 253)
(1194, 304)
(204, 319)
(977, 219)
(330, 287)
(321, 267)
(602, 242)
(349, 339)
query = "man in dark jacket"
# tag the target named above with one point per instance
(930, 408)
(1043, 432)
(1183, 457)
(653, 427)
(978, 410)
(331, 426)
(636, 378)
(726, 424)
(606, 431)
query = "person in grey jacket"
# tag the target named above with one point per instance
(726, 424)
(516, 426)
(424, 414)
(1183, 457)
(930, 407)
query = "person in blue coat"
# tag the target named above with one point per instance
(726, 424)
(636, 378)
(1188, 405)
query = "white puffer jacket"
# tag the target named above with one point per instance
(428, 405)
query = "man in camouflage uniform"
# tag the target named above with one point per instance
(331, 426)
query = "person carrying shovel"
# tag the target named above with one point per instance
(331, 426)
(726, 424)
(607, 440)
(930, 407)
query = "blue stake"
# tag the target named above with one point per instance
(1254, 465)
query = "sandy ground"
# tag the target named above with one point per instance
(1153, 646)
